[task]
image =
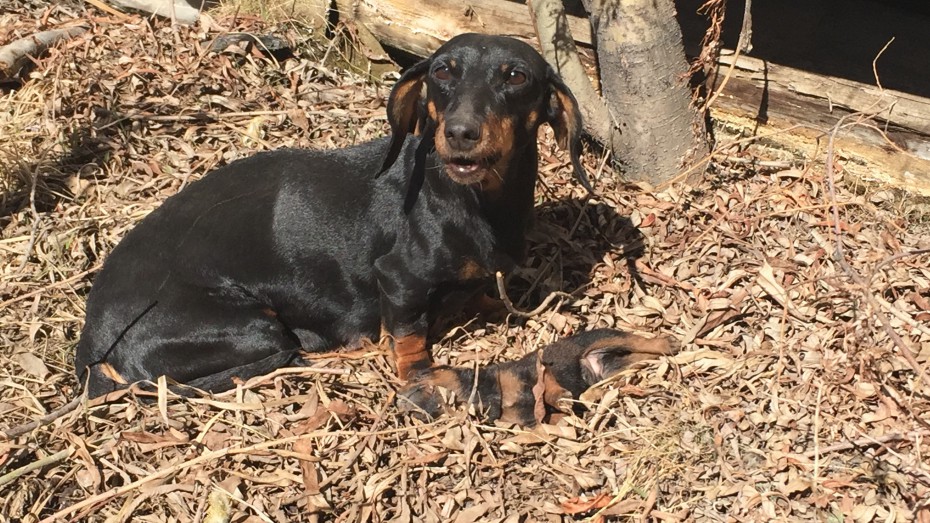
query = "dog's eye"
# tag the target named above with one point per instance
(515, 77)
(442, 73)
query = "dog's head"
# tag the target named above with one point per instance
(486, 97)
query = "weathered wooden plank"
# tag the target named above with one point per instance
(893, 146)
(419, 27)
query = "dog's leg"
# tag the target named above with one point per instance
(407, 342)
(201, 337)
(404, 302)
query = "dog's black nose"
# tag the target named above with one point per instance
(463, 134)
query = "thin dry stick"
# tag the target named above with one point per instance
(122, 17)
(36, 292)
(896, 257)
(866, 441)
(542, 306)
(35, 465)
(286, 371)
(15, 432)
(17, 53)
(901, 315)
(817, 450)
(359, 449)
(192, 117)
(745, 33)
(840, 257)
(36, 220)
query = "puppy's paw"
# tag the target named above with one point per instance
(423, 395)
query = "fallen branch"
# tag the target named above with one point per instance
(14, 56)
(15, 432)
(202, 458)
(867, 441)
(839, 255)
(285, 371)
(36, 292)
(174, 469)
(360, 448)
(35, 465)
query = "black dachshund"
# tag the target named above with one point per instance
(295, 250)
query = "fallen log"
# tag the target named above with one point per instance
(798, 109)
(422, 26)
(177, 10)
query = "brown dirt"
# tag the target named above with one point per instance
(788, 402)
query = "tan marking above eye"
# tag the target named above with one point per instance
(471, 270)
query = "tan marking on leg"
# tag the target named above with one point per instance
(410, 353)
(107, 370)
(447, 379)
(554, 393)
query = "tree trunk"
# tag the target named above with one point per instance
(557, 42)
(643, 75)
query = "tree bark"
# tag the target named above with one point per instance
(643, 79)
(558, 46)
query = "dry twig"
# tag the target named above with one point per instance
(15, 432)
(522, 314)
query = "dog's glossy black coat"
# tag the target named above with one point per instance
(304, 250)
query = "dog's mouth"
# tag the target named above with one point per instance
(467, 171)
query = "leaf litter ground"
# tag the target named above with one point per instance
(789, 400)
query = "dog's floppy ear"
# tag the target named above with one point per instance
(402, 109)
(565, 118)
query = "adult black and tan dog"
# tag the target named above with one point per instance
(295, 250)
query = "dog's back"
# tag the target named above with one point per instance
(256, 233)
